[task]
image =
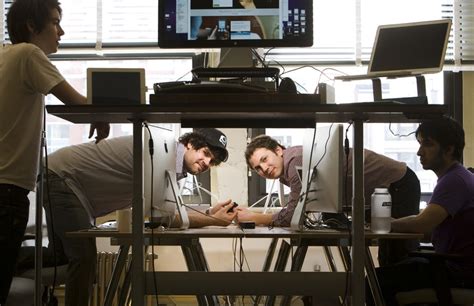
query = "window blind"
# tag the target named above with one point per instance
(463, 16)
(343, 30)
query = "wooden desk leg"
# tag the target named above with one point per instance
(191, 263)
(372, 278)
(116, 272)
(296, 266)
(345, 256)
(280, 265)
(202, 265)
(330, 259)
(268, 262)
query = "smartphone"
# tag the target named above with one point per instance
(234, 205)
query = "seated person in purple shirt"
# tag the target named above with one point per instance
(272, 160)
(449, 216)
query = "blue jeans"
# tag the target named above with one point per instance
(14, 207)
(65, 213)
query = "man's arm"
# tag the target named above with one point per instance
(68, 95)
(424, 222)
(219, 216)
(244, 214)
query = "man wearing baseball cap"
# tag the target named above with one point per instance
(77, 197)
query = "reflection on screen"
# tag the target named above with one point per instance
(218, 21)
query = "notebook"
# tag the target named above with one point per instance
(407, 49)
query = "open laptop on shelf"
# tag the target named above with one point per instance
(407, 49)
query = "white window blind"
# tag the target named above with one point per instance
(463, 12)
(343, 30)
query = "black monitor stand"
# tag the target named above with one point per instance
(421, 98)
(236, 57)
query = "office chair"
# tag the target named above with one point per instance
(448, 296)
(442, 294)
(23, 284)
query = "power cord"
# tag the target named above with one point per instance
(346, 192)
(151, 151)
(50, 299)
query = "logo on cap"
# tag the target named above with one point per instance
(223, 140)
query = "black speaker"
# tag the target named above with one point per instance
(287, 86)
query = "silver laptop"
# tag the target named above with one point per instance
(407, 49)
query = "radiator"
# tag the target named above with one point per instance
(105, 265)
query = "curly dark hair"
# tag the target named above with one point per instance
(198, 141)
(35, 13)
(446, 131)
(261, 141)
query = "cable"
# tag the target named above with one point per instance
(52, 300)
(151, 152)
(399, 135)
(346, 192)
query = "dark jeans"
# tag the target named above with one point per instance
(67, 214)
(405, 202)
(14, 207)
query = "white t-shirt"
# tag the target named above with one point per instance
(26, 76)
(100, 175)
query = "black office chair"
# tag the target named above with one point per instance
(23, 284)
(442, 294)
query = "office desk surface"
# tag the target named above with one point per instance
(199, 112)
(236, 232)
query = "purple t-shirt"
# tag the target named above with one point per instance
(455, 235)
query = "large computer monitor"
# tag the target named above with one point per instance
(322, 172)
(162, 202)
(228, 23)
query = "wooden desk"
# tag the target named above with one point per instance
(243, 283)
(277, 111)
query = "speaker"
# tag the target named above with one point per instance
(287, 86)
(326, 93)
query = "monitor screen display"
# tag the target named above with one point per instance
(235, 23)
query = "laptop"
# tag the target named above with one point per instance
(407, 49)
(116, 86)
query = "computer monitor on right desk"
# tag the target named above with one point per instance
(322, 173)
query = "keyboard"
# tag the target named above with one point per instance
(236, 72)
(209, 88)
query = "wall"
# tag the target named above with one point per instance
(228, 180)
(468, 112)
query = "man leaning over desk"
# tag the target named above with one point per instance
(90, 180)
(271, 160)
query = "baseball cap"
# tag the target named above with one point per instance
(217, 140)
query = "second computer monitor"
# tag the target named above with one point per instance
(323, 157)
(160, 202)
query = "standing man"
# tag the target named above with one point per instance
(449, 216)
(87, 181)
(273, 161)
(27, 76)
